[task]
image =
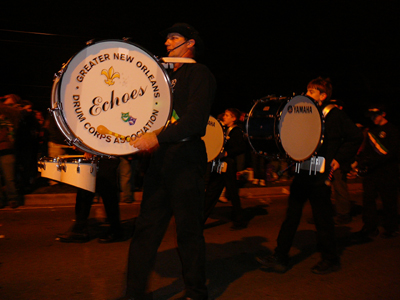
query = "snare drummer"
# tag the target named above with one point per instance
(341, 142)
(234, 146)
(174, 183)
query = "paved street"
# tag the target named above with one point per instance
(33, 265)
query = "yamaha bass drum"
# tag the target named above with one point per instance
(279, 128)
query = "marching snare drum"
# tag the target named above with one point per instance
(49, 167)
(70, 169)
(294, 127)
(214, 139)
(109, 93)
(79, 172)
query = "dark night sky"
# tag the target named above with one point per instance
(254, 50)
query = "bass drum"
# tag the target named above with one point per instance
(301, 127)
(109, 93)
(214, 139)
(293, 127)
(261, 127)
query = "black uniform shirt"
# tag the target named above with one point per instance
(194, 90)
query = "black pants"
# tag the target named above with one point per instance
(174, 185)
(304, 188)
(215, 186)
(385, 186)
(107, 187)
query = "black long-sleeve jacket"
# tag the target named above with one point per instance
(381, 150)
(342, 139)
(194, 90)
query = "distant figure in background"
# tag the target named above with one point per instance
(259, 164)
(234, 146)
(27, 133)
(10, 116)
(43, 136)
(379, 165)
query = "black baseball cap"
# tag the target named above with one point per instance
(187, 31)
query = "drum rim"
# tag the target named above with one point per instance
(56, 102)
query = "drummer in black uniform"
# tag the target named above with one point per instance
(174, 183)
(341, 142)
(379, 166)
(225, 175)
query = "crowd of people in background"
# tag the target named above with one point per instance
(27, 134)
(23, 136)
(22, 125)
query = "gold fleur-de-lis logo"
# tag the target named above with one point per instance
(110, 75)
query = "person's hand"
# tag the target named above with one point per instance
(146, 142)
(335, 165)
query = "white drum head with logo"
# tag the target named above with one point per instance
(110, 92)
(214, 139)
(300, 128)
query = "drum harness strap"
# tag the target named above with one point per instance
(315, 163)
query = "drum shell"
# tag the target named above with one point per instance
(49, 167)
(261, 128)
(289, 128)
(79, 172)
(70, 169)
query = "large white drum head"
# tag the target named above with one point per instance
(111, 92)
(214, 138)
(300, 128)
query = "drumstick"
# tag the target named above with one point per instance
(280, 173)
(104, 130)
